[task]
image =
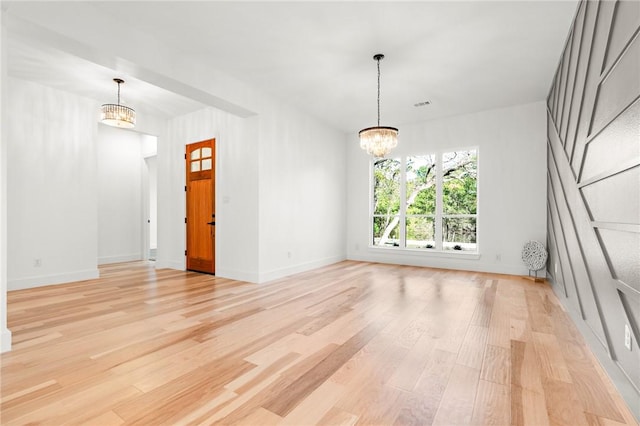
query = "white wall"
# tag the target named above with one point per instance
(236, 191)
(51, 196)
(280, 193)
(120, 195)
(238, 201)
(512, 186)
(5, 334)
(302, 193)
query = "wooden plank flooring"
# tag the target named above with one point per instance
(351, 343)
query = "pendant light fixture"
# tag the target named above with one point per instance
(380, 140)
(118, 115)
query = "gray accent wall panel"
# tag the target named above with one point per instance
(564, 191)
(571, 77)
(626, 17)
(605, 197)
(593, 205)
(618, 89)
(597, 49)
(564, 77)
(590, 13)
(562, 264)
(623, 251)
(623, 134)
(573, 64)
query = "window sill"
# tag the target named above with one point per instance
(451, 254)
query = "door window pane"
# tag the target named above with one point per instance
(195, 154)
(195, 166)
(206, 164)
(206, 152)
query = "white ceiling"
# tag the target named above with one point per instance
(462, 56)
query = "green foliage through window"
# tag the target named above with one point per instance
(410, 211)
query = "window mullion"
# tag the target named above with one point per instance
(438, 219)
(403, 201)
(371, 202)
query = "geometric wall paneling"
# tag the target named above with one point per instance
(619, 88)
(556, 89)
(564, 76)
(559, 88)
(615, 148)
(593, 211)
(622, 250)
(574, 55)
(590, 11)
(576, 39)
(627, 22)
(597, 50)
(551, 97)
(563, 182)
(605, 196)
(565, 269)
(554, 264)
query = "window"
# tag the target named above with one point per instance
(201, 159)
(426, 202)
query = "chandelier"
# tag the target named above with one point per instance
(118, 115)
(380, 140)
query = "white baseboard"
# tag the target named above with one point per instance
(42, 280)
(170, 264)
(444, 262)
(228, 273)
(5, 340)
(298, 268)
(119, 259)
(251, 277)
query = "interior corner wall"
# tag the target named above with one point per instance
(51, 197)
(302, 193)
(152, 173)
(594, 185)
(511, 187)
(236, 191)
(120, 195)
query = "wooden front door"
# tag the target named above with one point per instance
(201, 206)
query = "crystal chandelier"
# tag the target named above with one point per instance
(118, 115)
(380, 140)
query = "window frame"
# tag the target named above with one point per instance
(438, 249)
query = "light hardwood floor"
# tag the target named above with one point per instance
(351, 343)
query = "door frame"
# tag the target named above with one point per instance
(146, 208)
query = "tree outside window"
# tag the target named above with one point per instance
(426, 202)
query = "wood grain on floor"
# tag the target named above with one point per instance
(350, 343)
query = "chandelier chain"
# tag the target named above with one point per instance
(378, 92)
